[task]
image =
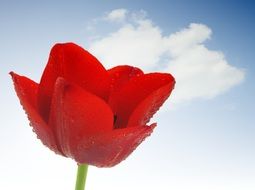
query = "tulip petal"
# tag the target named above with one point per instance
(109, 149)
(77, 113)
(76, 65)
(26, 90)
(120, 75)
(149, 106)
(142, 95)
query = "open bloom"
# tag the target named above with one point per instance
(93, 115)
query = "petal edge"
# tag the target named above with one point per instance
(26, 90)
(108, 150)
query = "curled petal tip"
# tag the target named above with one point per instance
(153, 125)
(12, 74)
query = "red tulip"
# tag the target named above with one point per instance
(93, 115)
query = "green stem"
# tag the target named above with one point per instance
(81, 177)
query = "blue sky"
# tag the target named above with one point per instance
(205, 137)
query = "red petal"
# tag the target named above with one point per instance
(149, 106)
(125, 101)
(120, 75)
(111, 148)
(75, 114)
(76, 65)
(26, 90)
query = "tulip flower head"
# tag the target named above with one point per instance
(82, 111)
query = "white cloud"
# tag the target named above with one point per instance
(199, 71)
(137, 45)
(116, 15)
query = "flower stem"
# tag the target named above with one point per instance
(81, 176)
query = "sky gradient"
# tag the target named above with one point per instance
(206, 142)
